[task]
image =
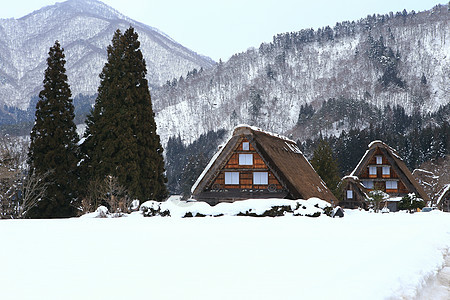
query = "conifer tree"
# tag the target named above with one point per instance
(52, 153)
(121, 138)
(326, 166)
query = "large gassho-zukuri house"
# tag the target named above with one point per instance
(381, 168)
(258, 164)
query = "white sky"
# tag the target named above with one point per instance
(219, 29)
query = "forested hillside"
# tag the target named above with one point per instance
(396, 59)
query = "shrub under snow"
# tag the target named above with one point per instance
(313, 207)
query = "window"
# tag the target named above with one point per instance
(260, 178)
(231, 177)
(379, 160)
(349, 194)
(391, 185)
(373, 171)
(386, 171)
(245, 146)
(368, 184)
(245, 159)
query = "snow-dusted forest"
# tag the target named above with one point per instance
(396, 59)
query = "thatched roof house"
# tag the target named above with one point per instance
(381, 168)
(354, 193)
(258, 164)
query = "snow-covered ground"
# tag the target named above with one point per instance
(360, 256)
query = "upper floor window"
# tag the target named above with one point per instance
(349, 194)
(245, 146)
(260, 178)
(379, 160)
(245, 159)
(386, 170)
(373, 171)
(231, 177)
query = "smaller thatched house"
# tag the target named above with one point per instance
(258, 164)
(443, 201)
(354, 194)
(381, 168)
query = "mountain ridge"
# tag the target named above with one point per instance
(395, 59)
(84, 28)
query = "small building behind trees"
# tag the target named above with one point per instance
(258, 164)
(443, 201)
(354, 194)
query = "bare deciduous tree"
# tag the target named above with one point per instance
(33, 190)
(107, 192)
(13, 153)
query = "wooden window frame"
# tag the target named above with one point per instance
(379, 159)
(245, 146)
(257, 176)
(245, 160)
(349, 194)
(230, 178)
(371, 175)
(384, 174)
(391, 188)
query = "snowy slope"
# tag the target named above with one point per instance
(361, 256)
(266, 86)
(84, 28)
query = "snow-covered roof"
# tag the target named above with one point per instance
(422, 171)
(245, 126)
(355, 178)
(359, 163)
(445, 190)
(211, 162)
(384, 145)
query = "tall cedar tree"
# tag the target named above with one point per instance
(326, 166)
(54, 141)
(121, 138)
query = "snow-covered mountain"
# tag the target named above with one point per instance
(84, 28)
(401, 58)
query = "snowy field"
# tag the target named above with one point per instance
(360, 256)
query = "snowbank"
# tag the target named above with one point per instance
(313, 207)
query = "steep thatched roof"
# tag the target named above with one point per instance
(397, 163)
(282, 156)
(443, 195)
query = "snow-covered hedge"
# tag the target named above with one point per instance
(313, 207)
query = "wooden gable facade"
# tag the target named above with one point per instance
(249, 170)
(381, 168)
(256, 164)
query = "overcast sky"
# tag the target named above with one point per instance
(219, 29)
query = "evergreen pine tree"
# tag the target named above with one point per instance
(121, 138)
(54, 142)
(326, 166)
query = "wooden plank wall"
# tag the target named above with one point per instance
(245, 172)
(401, 188)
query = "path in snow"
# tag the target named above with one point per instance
(438, 288)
